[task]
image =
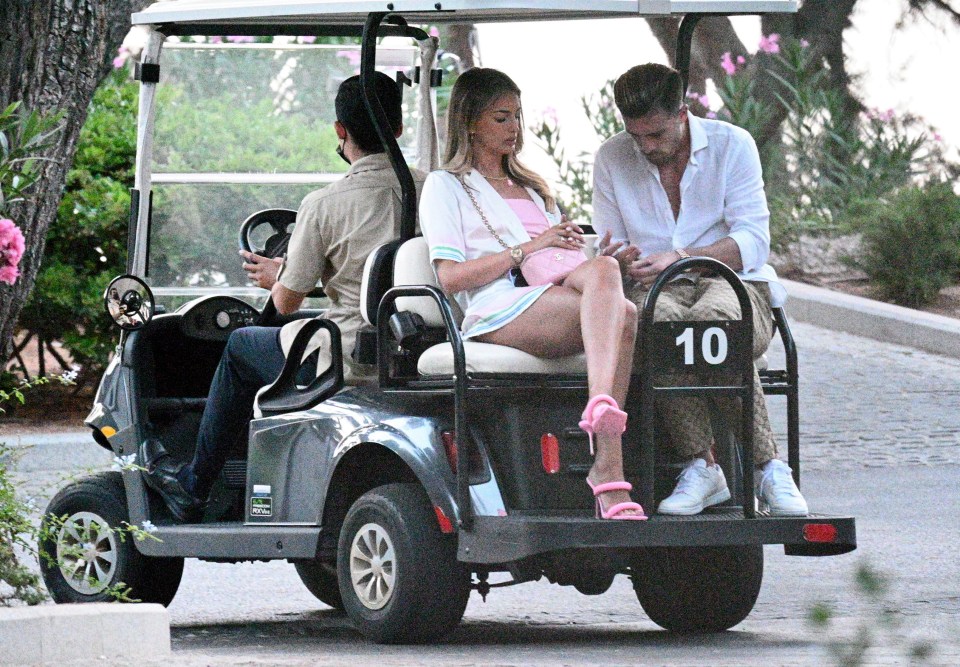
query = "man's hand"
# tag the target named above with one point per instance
(623, 252)
(647, 269)
(262, 271)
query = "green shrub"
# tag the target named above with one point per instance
(910, 246)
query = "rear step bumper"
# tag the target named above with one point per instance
(494, 540)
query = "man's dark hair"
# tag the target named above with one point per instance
(352, 113)
(649, 88)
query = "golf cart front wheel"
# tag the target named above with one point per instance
(88, 554)
(400, 580)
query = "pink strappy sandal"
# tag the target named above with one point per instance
(615, 512)
(604, 417)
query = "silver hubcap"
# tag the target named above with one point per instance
(372, 566)
(87, 553)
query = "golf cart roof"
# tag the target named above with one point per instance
(337, 12)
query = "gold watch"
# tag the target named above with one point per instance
(682, 252)
(516, 254)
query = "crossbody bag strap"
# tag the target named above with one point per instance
(483, 217)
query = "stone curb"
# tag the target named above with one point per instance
(53, 634)
(873, 319)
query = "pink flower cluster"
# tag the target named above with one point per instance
(704, 100)
(122, 54)
(770, 43)
(729, 65)
(241, 39)
(11, 250)
(882, 116)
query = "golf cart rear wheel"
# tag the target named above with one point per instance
(320, 578)
(706, 589)
(88, 555)
(399, 576)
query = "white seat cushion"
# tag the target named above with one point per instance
(489, 358)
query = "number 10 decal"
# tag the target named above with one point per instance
(713, 345)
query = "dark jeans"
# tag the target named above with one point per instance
(252, 359)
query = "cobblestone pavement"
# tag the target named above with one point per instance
(865, 403)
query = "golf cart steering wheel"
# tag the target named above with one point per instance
(280, 221)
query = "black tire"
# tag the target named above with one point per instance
(320, 578)
(99, 500)
(424, 591)
(708, 589)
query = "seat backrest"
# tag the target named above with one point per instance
(377, 279)
(412, 267)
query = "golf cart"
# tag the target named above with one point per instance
(393, 500)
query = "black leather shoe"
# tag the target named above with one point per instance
(161, 476)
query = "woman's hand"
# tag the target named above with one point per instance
(564, 235)
(621, 251)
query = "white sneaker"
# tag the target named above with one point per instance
(700, 486)
(777, 492)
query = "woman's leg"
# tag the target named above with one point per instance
(608, 321)
(589, 306)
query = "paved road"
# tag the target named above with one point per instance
(880, 439)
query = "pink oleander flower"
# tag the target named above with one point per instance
(308, 39)
(712, 115)
(770, 43)
(937, 136)
(122, 54)
(216, 39)
(550, 114)
(741, 60)
(241, 39)
(804, 43)
(727, 64)
(434, 31)
(12, 246)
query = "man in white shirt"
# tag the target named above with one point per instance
(673, 186)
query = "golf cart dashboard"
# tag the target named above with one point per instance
(214, 318)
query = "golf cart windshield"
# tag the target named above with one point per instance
(241, 127)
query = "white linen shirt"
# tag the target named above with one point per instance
(721, 194)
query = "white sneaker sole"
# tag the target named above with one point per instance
(718, 497)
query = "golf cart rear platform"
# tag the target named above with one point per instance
(514, 537)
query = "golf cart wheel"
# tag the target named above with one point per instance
(87, 553)
(706, 589)
(320, 578)
(399, 576)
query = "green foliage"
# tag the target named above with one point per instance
(880, 624)
(17, 581)
(910, 248)
(23, 136)
(576, 175)
(830, 164)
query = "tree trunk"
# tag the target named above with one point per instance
(462, 41)
(53, 54)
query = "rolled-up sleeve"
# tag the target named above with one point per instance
(745, 204)
(440, 219)
(606, 211)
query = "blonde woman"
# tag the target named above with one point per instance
(483, 215)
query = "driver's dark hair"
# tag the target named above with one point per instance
(647, 89)
(352, 113)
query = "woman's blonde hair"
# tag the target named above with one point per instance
(472, 94)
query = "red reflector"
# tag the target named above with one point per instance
(819, 532)
(550, 453)
(449, 439)
(446, 526)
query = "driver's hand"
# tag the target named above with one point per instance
(262, 271)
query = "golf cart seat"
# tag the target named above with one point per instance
(411, 266)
